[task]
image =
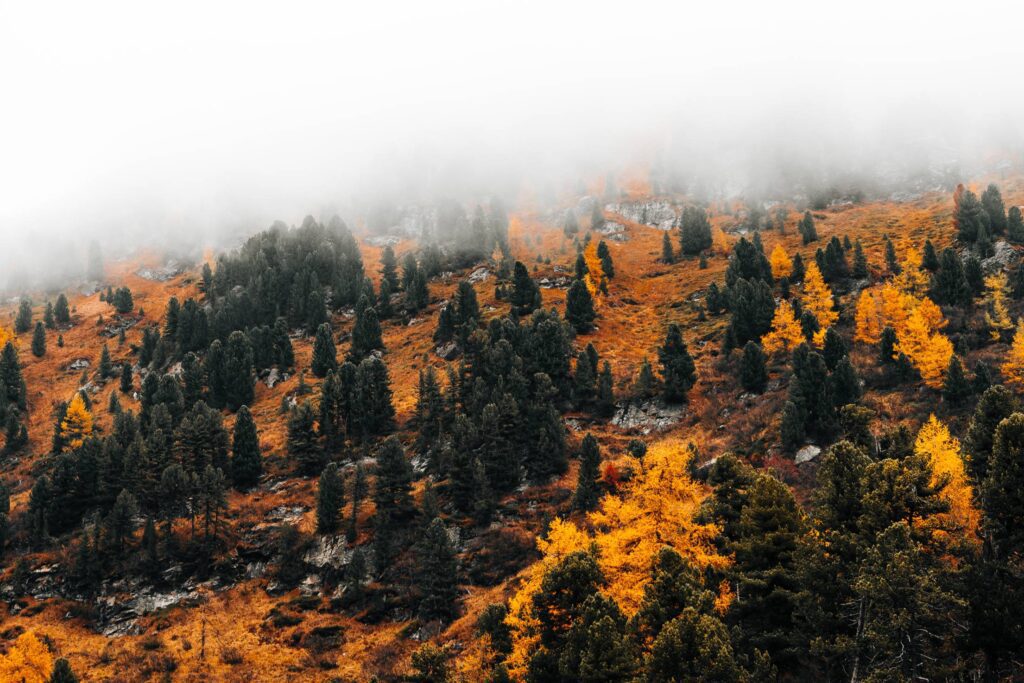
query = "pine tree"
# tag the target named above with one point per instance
(62, 672)
(127, 384)
(605, 256)
(955, 388)
(587, 486)
(120, 521)
(105, 368)
(753, 371)
(693, 647)
(974, 275)
(372, 411)
(238, 371)
(303, 445)
(330, 498)
(992, 204)
(834, 348)
(325, 356)
(995, 405)
(1015, 225)
(644, 386)
(526, 297)
(437, 576)
(61, 311)
(844, 383)
(384, 308)
(807, 230)
(891, 260)
(445, 330)
(579, 307)
(211, 499)
(605, 404)
(677, 368)
(23, 321)
(695, 231)
(392, 498)
(668, 254)
(389, 268)
(39, 341)
(366, 335)
(76, 426)
(860, 261)
(246, 460)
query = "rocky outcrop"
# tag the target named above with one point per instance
(656, 214)
(167, 271)
(1004, 257)
(807, 454)
(647, 417)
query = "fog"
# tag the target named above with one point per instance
(191, 123)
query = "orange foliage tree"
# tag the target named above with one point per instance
(929, 351)
(866, 320)
(76, 426)
(912, 278)
(1013, 367)
(817, 298)
(785, 334)
(657, 509)
(997, 317)
(782, 265)
(26, 661)
(943, 452)
(6, 334)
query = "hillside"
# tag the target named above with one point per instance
(224, 609)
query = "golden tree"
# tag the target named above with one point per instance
(997, 317)
(867, 327)
(943, 453)
(26, 661)
(782, 265)
(1013, 367)
(785, 334)
(76, 426)
(6, 334)
(657, 509)
(929, 351)
(817, 298)
(912, 278)
(893, 305)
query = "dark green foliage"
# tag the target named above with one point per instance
(955, 388)
(752, 308)
(238, 371)
(437, 575)
(303, 445)
(23, 320)
(753, 369)
(969, 216)
(714, 301)
(860, 261)
(694, 231)
(325, 355)
(122, 301)
(465, 311)
(668, 254)
(330, 497)
(747, 262)
(605, 404)
(834, 349)
(891, 260)
(974, 275)
(372, 413)
(1015, 225)
(992, 204)
(1002, 490)
(61, 311)
(811, 395)
(693, 647)
(844, 383)
(605, 255)
(797, 274)
(887, 345)
(393, 499)
(62, 672)
(588, 489)
(929, 257)
(127, 384)
(677, 368)
(366, 335)
(807, 230)
(39, 341)
(950, 283)
(525, 298)
(579, 307)
(246, 459)
(389, 268)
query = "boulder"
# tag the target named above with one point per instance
(448, 351)
(656, 214)
(807, 454)
(647, 417)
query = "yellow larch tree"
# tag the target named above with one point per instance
(997, 317)
(893, 305)
(785, 334)
(943, 452)
(912, 278)
(27, 660)
(721, 243)
(1013, 367)
(928, 351)
(867, 327)
(6, 334)
(656, 509)
(817, 298)
(782, 265)
(76, 426)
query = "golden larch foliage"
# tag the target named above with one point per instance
(867, 327)
(817, 298)
(1013, 367)
(721, 243)
(912, 278)
(893, 308)
(26, 661)
(782, 265)
(6, 334)
(77, 423)
(656, 510)
(927, 350)
(917, 323)
(595, 273)
(785, 334)
(997, 316)
(943, 452)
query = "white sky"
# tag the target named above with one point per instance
(135, 116)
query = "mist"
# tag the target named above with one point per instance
(196, 124)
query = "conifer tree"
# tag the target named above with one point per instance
(1015, 225)
(668, 255)
(817, 299)
(76, 426)
(955, 387)
(605, 256)
(39, 341)
(860, 261)
(384, 308)
(844, 383)
(694, 231)
(677, 368)
(372, 412)
(891, 260)
(330, 498)
(62, 672)
(995, 210)
(753, 371)
(127, 384)
(445, 330)
(834, 349)
(366, 335)
(437, 575)
(579, 307)
(526, 297)
(105, 368)
(807, 230)
(246, 461)
(644, 386)
(785, 334)
(23, 321)
(325, 355)
(587, 486)
(61, 311)
(303, 445)
(389, 268)
(605, 404)
(238, 371)
(995, 405)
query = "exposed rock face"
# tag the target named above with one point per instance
(1004, 257)
(328, 551)
(383, 240)
(479, 275)
(449, 351)
(657, 214)
(807, 454)
(79, 364)
(168, 271)
(554, 283)
(647, 417)
(614, 231)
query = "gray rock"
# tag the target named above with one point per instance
(449, 351)
(807, 454)
(168, 271)
(657, 214)
(328, 551)
(273, 377)
(647, 417)
(79, 364)
(1004, 257)
(479, 275)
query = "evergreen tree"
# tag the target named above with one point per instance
(105, 368)
(384, 308)
(605, 255)
(238, 371)
(950, 285)
(246, 460)
(127, 384)
(211, 499)
(1002, 496)
(860, 261)
(303, 445)
(39, 341)
(693, 647)
(644, 386)
(677, 367)
(48, 318)
(605, 404)
(570, 226)
(588, 488)
(1015, 225)
(955, 388)
(372, 412)
(974, 275)
(834, 349)
(216, 374)
(393, 499)
(23, 320)
(437, 576)
(579, 307)
(62, 672)
(668, 254)
(929, 257)
(389, 268)
(120, 521)
(284, 355)
(366, 335)
(525, 298)
(330, 498)
(995, 405)
(807, 230)
(61, 311)
(695, 231)
(753, 371)
(844, 383)
(992, 204)
(445, 330)
(325, 355)
(891, 261)
(887, 345)
(747, 262)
